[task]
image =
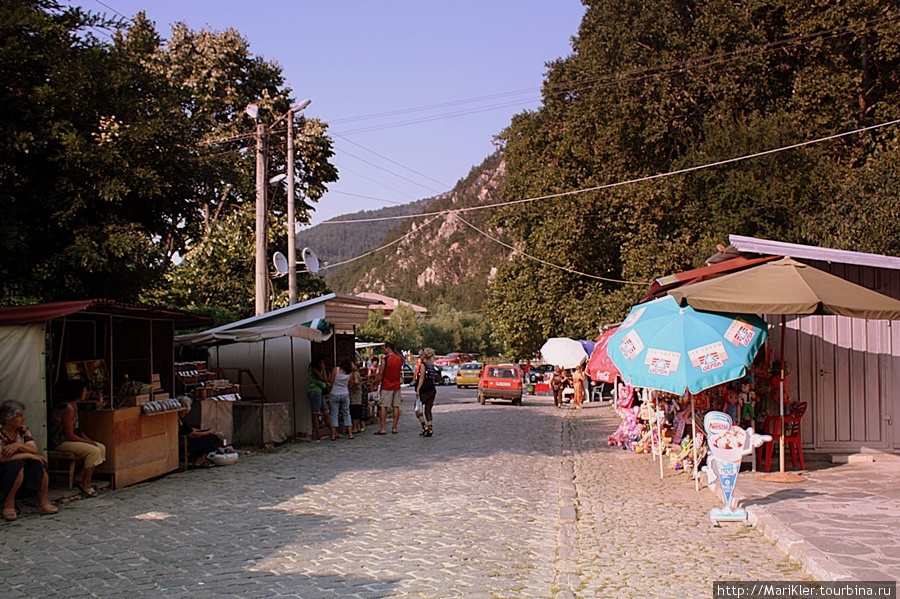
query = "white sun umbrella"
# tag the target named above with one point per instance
(563, 352)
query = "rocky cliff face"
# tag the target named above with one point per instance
(437, 257)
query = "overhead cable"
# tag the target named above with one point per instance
(551, 264)
(638, 179)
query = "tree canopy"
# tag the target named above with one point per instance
(118, 157)
(657, 87)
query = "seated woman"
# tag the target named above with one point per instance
(65, 435)
(23, 471)
(199, 442)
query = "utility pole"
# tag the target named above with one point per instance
(291, 212)
(262, 279)
(291, 221)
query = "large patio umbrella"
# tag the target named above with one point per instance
(661, 345)
(783, 287)
(563, 352)
(600, 367)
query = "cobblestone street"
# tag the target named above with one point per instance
(502, 502)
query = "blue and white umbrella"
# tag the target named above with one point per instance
(661, 345)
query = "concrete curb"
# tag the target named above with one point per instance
(814, 562)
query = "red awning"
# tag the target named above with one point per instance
(600, 368)
(49, 311)
(659, 287)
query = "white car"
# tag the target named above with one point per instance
(448, 374)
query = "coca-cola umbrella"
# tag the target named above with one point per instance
(600, 366)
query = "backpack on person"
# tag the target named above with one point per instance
(428, 383)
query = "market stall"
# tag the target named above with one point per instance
(123, 352)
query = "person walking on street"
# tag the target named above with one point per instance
(390, 377)
(420, 414)
(557, 384)
(425, 389)
(578, 384)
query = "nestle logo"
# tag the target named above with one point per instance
(719, 426)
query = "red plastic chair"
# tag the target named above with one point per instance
(792, 440)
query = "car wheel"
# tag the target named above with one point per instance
(481, 398)
(445, 380)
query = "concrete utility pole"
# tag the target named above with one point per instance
(291, 213)
(262, 278)
(291, 218)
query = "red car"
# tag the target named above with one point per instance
(503, 381)
(455, 358)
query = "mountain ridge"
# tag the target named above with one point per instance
(437, 259)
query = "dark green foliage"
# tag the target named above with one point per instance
(110, 163)
(654, 87)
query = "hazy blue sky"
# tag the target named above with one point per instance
(451, 72)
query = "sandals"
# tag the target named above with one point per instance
(428, 431)
(48, 510)
(9, 514)
(90, 492)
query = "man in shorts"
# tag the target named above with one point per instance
(390, 377)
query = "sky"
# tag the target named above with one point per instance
(414, 91)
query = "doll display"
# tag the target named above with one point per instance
(748, 403)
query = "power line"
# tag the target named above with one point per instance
(385, 246)
(551, 264)
(390, 172)
(638, 179)
(350, 141)
(356, 195)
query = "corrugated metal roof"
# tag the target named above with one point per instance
(808, 252)
(49, 311)
(341, 305)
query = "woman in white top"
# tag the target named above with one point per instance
(341, 379)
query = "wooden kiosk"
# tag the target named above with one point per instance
(132, 342)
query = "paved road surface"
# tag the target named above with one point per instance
(502, 502)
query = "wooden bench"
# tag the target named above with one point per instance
(63, 462)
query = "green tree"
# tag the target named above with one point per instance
(404, 325)
(108, 166)
(654, 87)
(375, 329)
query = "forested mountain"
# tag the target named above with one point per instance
(338, 242)
(437, 259)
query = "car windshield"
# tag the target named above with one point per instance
(502, 373)
(470, 367)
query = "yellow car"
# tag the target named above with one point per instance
(468, 375)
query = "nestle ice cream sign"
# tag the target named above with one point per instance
(726, 441)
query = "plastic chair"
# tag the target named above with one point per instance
(792, 440)
(597, 392)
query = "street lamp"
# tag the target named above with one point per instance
(261, 274)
